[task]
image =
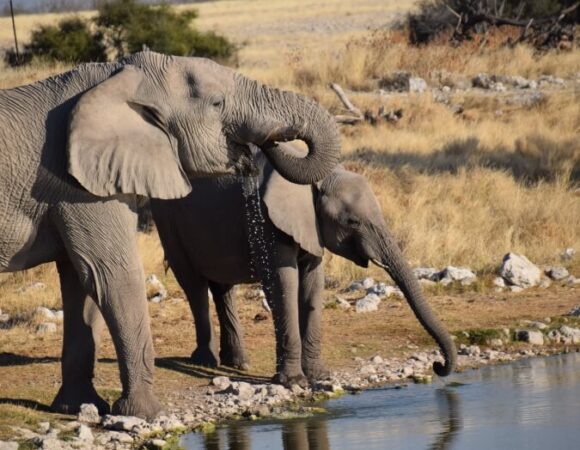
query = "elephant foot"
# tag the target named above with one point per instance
(141, 404)
(288, 379)
(204, 357)
(69, 399)
(315, 371)
(235, 361)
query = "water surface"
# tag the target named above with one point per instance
(530, 404)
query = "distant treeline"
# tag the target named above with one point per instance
(46, 6)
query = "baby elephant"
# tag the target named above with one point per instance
(210, 241)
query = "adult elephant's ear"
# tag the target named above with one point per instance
(117, 145)
(290, 207)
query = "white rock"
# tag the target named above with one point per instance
(5, 322)
(545, 283)
(523, 83)
(341, 302)
(520, 271)
(532, 337)
(554, 335)
(8, 445)
(568, 254)
(156, 291)
(538, 325)
(496, 342)
(122, 423)
(367, 283)
(377, 360)
(557, 273)
(47, 327)
(567, 331)
(89, 414)
(482, 80)
(408, 371)
(368, 303)
(368, 369)
(498, 87)
(85, 434)
(59, 315)
(221, 383)
(499, 282)
(245, 391)
(572, 280)
(114, 436)
(417, 84)
(44, 312)
(462, 274)
(516, 289)
(426, 273)
(44, 427)
(575, 311)
(380, 289)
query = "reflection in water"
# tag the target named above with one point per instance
(450, 406)
(531, 404)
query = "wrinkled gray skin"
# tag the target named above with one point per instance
(207, 244)
(74, 151)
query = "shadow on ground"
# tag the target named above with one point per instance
(183, 365)
(533, 160)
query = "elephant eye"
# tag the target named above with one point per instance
(353, 222)
(218, 102)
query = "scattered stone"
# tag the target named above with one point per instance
(5, 322)
(545, 283)
(380, 289)
(532, 337)
(156, 291)
(417, 85)
(368, 370)
(575, 311)
(377, 360)
(572, 280)
(516, 289)
(495, 342)
(538, 325)
(368, 283)
(47, 327)
(426, 273)
(44, 313)
(59, 315)
(520, 271)
(499, 282)
(221, 383)
(554, 335)
(567, 254)
(482, 80)
(44, 427)
(408, 371)
(523, 83)
(461, 274)
(469, 350)
(243, 390)
(550, 79)
(368, 303)
(572, 333)
(8, 445)
(122, 423)
(557, 273)
(89, 414)
(85, 434)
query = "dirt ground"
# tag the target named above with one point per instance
(30, 362)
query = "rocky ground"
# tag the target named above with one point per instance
(228, 397)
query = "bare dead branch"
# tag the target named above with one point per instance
(345, 101)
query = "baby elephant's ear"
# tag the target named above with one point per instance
(117, 144)
(290, 207)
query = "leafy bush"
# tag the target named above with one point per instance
(129, 25)
(70, 41)
(124, 26)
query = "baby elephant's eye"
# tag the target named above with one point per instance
(218, 102)
(353, 222)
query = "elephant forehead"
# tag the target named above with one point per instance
(205, 77)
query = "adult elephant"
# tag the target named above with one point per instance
(208, 242)
(141, 125)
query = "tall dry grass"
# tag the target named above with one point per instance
(455, 188)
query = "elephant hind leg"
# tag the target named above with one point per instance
(83, 324)
(232, 351)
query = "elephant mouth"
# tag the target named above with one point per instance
(245, 164)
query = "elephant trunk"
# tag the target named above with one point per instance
(274, 115)
(390, 258)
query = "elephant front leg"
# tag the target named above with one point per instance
(83, 323)
(311, 296)
(232, 349)
(285, 309)
(101, 242)
(206, 353)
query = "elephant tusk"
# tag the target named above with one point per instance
(380, 264)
